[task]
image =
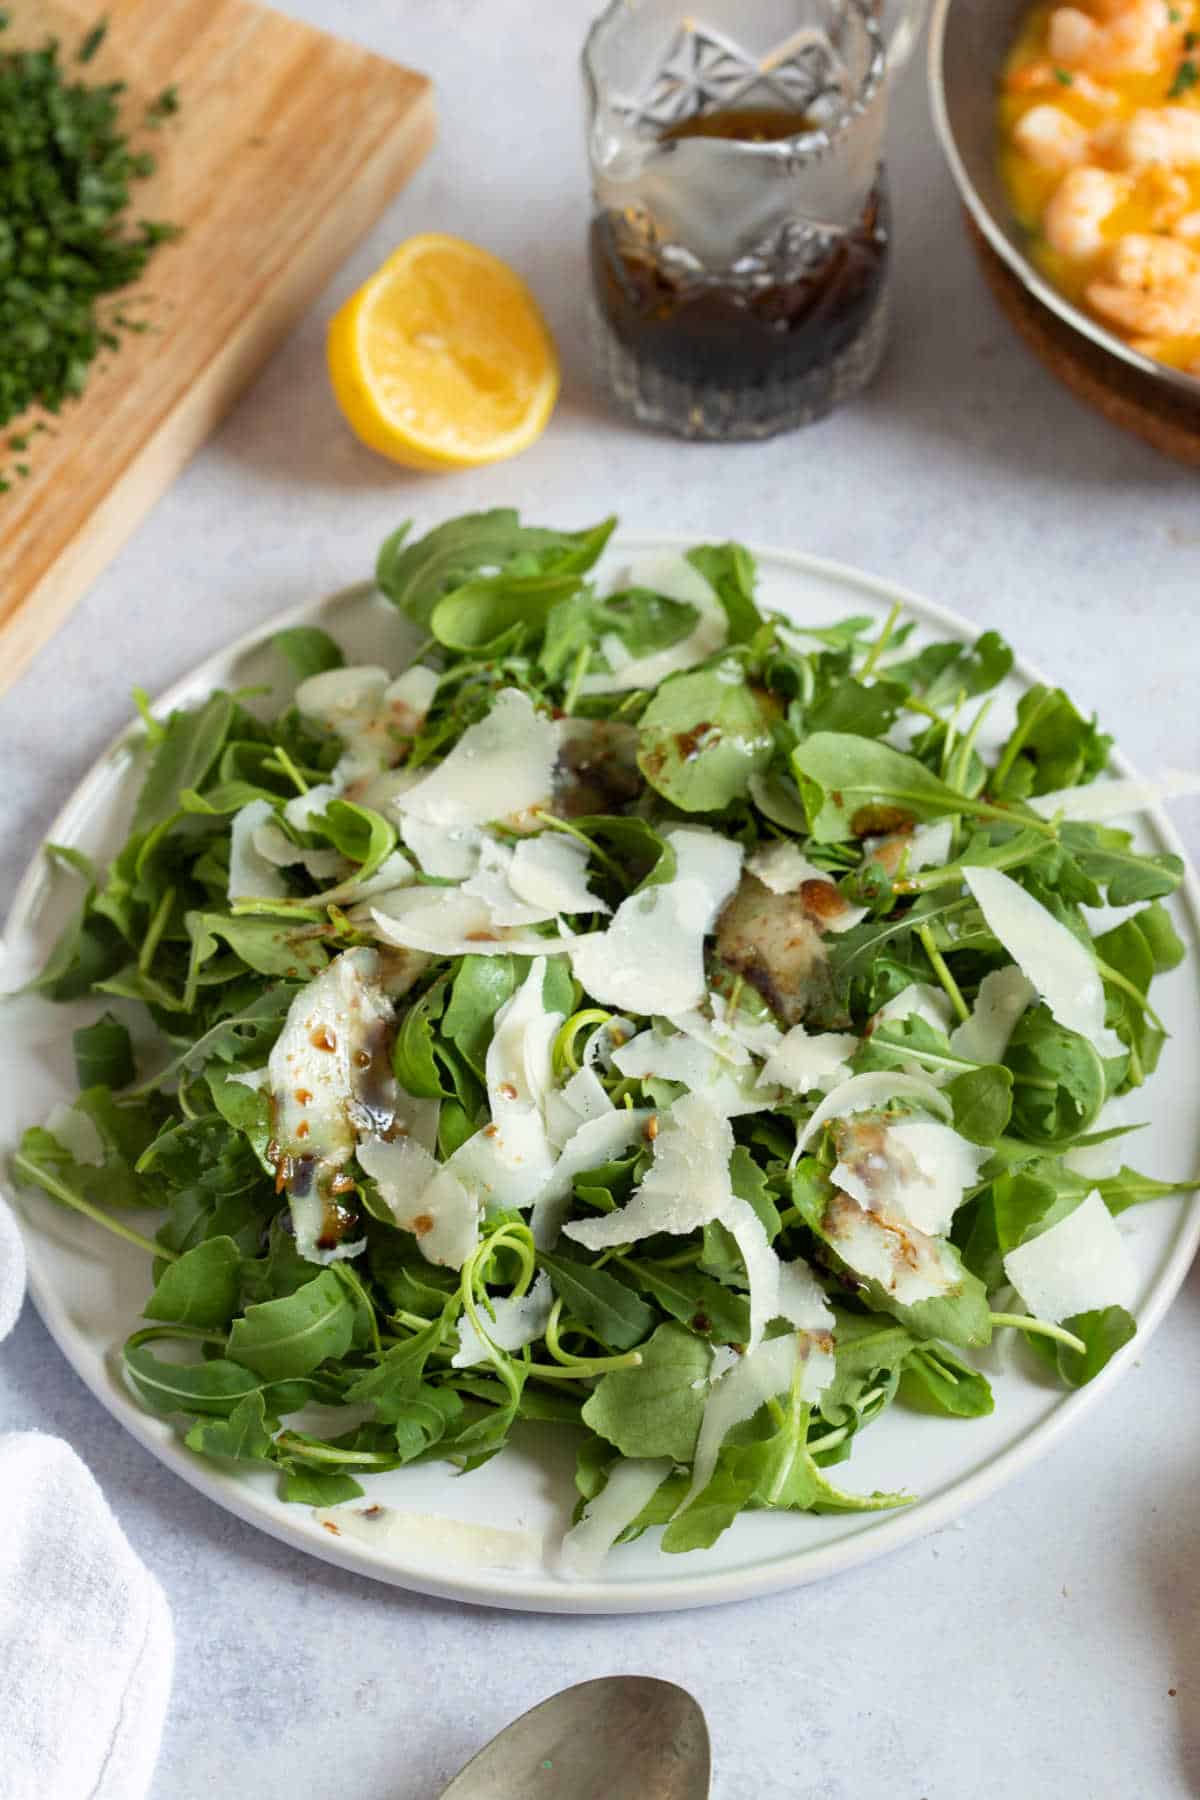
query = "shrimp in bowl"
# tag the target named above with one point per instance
(1100, 156)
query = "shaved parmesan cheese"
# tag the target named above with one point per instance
(686, 1187)
(447, 922)
(394, 872)
(605, 1040)
(929, 845)
(594, 1143)
(1079, 1265)
(912, 1171)
(804, 1060)
(369, 712)
(490, 883)
(753, 1380)
(903, 1261)
(674, 1056)
(77, 1133)
(550, 872)
(303, 808)
(425, 1198)
(255, 1079)
(759, 1035)
(409, 698)
(671, 575)
(501, 766)
(348, 703)
(534, 881)
(866, 1093)
(783, 867)
(1098, 1162)
(583, 1098)
(516, 1321)
(920, 1000)
(1003, 996)
(1113, 799)
(1054, 960)
(631, 1485)
(511, 1158)
(802, 1300)
(274, 843)
(651, 957)
(447, 855)
(762, 1265)
(251, 875)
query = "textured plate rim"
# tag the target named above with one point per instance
(545, 1593)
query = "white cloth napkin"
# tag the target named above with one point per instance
(86, 1647)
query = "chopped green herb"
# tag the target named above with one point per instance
(165, 107)
(1064, 77)
(66, 172)
(1186, 76)
(92, 42)
(1174, 15)
(1189, 40)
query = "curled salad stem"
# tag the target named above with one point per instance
(563, 1052)
(157, 926)
(52, 1185)
(1041, 1328)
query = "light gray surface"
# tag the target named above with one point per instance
(1029, 1650)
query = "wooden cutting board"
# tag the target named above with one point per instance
(287, 146)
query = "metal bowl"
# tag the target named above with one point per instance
(968, 42)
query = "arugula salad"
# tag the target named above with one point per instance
(640, 1015)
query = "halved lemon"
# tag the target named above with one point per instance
(442, 359)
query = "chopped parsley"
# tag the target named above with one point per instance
(1186, 76)
(1064, 76)
(66, 243)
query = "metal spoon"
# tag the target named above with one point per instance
(626, 1737)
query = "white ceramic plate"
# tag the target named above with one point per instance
(442, 1538)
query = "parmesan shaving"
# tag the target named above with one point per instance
(550, 872)
(674, 1056)
(631, 1485)
(425, 1197)
(502, 766)
(1003, 996)
(594, 1143)
(674, 577)
(686, 1187)
(1053, 959)
(446, 855)
(1079, 1265)
(803, 1060)
(450, 923)
(920, 1000)
(252, 876)
(1102, 800)
(276, 846)
(651, 957)
(783, 867)
(517, 1321)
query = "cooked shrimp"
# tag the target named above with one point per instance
(1044, 74)
(1130, 42)
(1050, 137)
(1152, 287)
(1078, 208)
(1166, 136)
(1188, 227)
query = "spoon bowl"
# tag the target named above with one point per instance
(624, 1737)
